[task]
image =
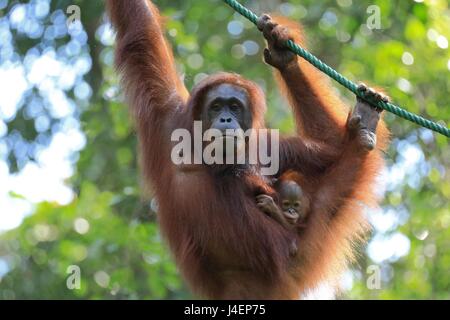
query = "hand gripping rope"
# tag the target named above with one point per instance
(343, 80)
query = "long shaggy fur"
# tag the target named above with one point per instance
(224, 246)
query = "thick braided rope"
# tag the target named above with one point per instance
(343, 80)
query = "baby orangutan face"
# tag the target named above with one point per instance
(292, 208)
(293, 201)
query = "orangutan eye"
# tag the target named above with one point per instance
(235, 107)
(215, 107)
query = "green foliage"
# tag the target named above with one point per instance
(87, 233)
(109, 231)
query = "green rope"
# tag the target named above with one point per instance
(343, 80)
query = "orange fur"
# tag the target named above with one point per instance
(336, 222)
(224, 246)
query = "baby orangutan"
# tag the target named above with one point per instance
(292, 208)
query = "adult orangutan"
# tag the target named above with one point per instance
(223, 244)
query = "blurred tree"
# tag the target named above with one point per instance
(108, 229)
